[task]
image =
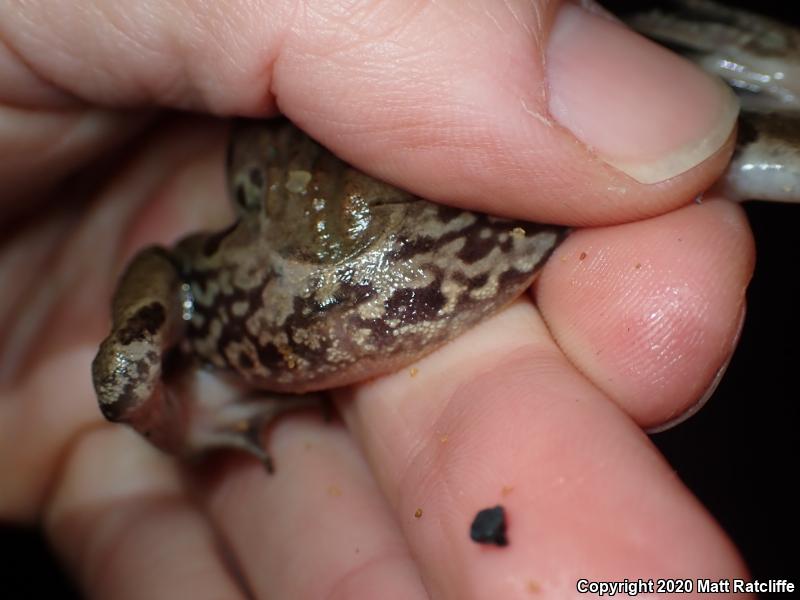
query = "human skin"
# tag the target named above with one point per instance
(540, 408)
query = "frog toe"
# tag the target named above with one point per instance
(243, 424)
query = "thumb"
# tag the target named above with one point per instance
(542, 110)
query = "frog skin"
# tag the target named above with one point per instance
(759, 58)
(329, 277)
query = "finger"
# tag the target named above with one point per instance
(318, 527)
(538, 109)
(172, 186)
(40, 148)
(650, 312)
(500, 416)
(169, 188)
(121, 520)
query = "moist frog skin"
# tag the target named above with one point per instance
(327, 277)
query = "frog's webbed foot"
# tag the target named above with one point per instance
(242, 422)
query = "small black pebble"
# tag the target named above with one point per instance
(489, 527)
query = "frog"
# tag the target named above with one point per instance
(327, 277)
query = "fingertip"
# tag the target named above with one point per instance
(501, 417)
(642, 109)
(476, 119)
(649, 311)
(519, 128)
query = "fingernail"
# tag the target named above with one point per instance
(706, 396)
(639, 107)
(696, 407)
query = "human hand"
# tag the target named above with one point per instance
(537, 409)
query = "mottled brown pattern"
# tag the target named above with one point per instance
(326, 278)
(145, 321)
(329, 277)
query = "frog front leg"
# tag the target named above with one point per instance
(143, 378)
(128, 369)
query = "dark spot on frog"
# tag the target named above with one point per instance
(212, 242)
(477, 248)
(380, 331)
(747, 134)
(511, 277)
(412, 305)
(145, 321)
(245, 362)
(447, 213)
(269, 355)
(480, 237)
(256, 177)
(465, 301)
(472, 283)
(408, 250)
(113, 411)
(241, 195)
(233, 330)
(143, 368)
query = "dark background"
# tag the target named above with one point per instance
(738, 455)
